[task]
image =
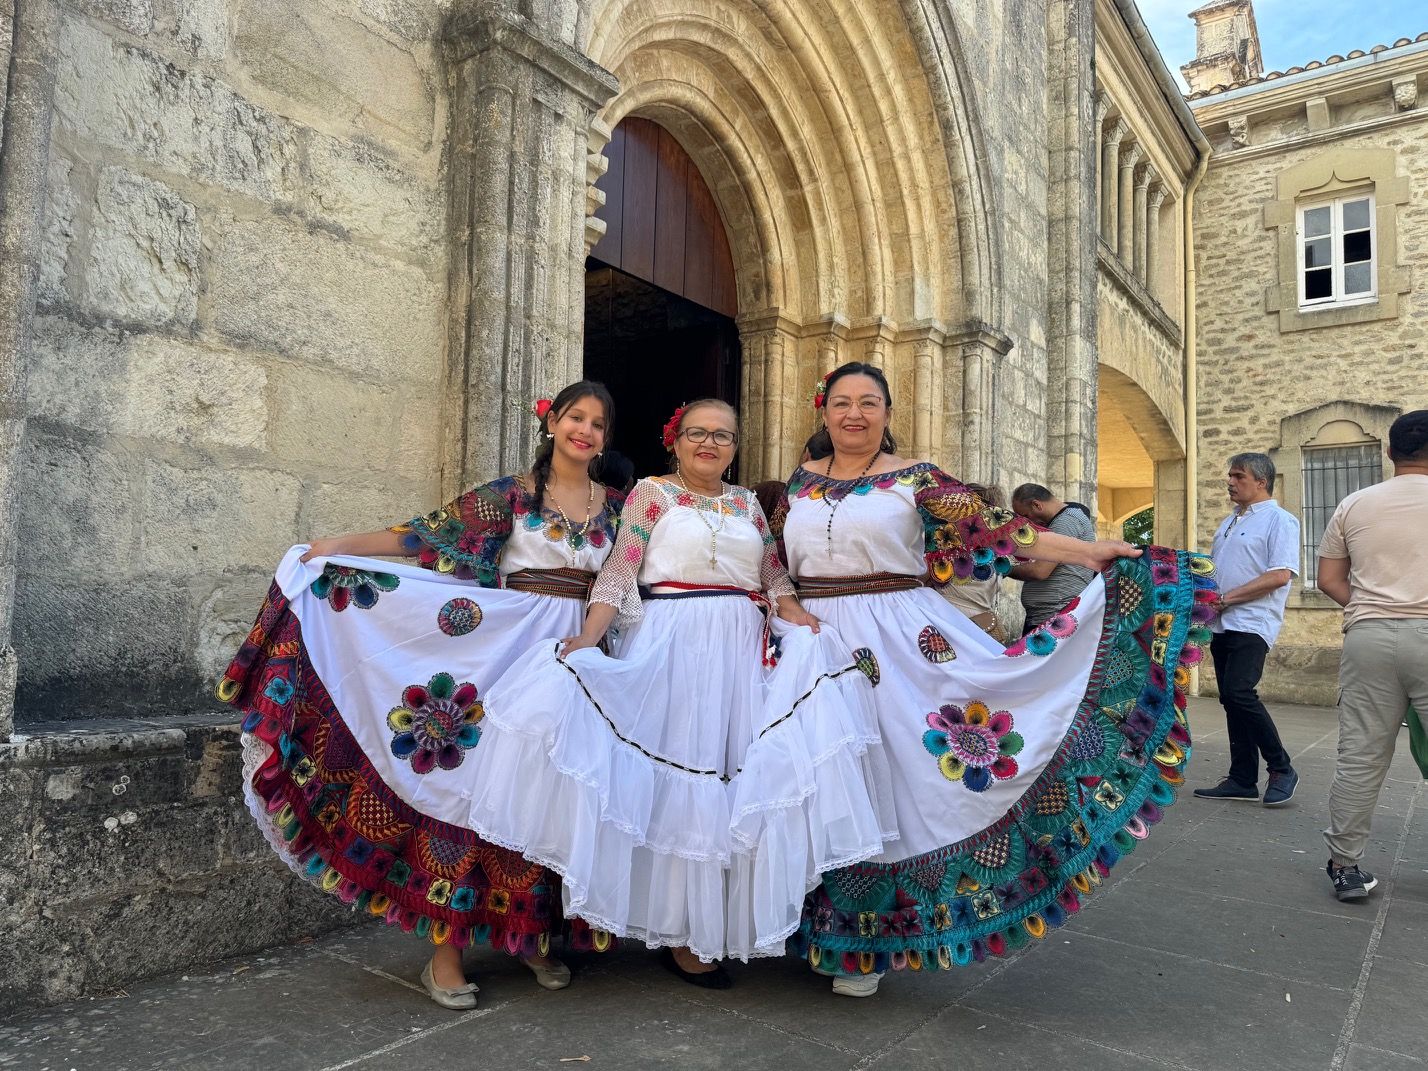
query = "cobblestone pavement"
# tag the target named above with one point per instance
(1218, 944)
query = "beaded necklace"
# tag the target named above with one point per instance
(713, 531)
(833, 503)
(575, 534)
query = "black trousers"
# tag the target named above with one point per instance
(1239, 663)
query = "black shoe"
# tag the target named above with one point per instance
(1280, 789)
(1351, 883)
(718, 978)
(1229, 790)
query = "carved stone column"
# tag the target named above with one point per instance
(1110, 188)
(981, 349)
(596, 164)
(1103, 108)
(771, 437)
(1147, 176)
(1152, 240)
(24, 167)
(522, 106)
(1125, 208)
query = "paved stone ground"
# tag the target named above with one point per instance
(1218, 944)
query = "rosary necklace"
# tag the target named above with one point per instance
(833, 503)
(575, 535)
(713, 531)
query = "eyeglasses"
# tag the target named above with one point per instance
(720, 437)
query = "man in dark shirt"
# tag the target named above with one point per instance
(1047, 586)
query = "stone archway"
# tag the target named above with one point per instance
(1141, 458)
(812, 123)
(842, 146)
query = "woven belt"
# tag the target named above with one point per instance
(674, 589)
(562, 583)
(827, 587)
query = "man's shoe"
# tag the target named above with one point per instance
(1280, 789)
(1229, 790)
(1351, 883)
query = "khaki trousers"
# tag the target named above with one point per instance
(1384, 669)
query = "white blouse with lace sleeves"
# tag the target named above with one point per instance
(618, 582)
(774, 580)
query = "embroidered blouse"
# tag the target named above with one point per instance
(669, 534)
(913, 520)
(496, 529)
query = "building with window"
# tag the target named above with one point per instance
(1310, 328)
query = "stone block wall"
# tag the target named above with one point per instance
(125, 851)
(1253, 375)
(240, 337)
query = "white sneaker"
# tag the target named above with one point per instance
(856, 985)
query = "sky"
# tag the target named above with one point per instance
(1292, 32)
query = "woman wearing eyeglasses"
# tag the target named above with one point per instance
(620, 772)
(1019, 775)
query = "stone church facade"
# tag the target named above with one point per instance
(269, 271)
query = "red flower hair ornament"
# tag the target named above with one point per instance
(541, 407)
(671, 428)
(820, 391)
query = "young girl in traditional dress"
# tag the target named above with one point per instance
(1019, 775)
(622, 773)
(363, 684)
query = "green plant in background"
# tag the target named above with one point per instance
(1139, 527)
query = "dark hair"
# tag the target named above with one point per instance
(821, 443)
(1408, 437)
(768, 493)
(1032, 492)
(585, 388)
(1259, 466)
(617, 471)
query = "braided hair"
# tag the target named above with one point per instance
(585, 388)
(821, 443)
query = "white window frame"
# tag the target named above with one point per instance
(1336, 244)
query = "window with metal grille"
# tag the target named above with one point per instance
(1331, 473)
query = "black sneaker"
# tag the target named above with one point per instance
(1351, 883)
(1280, 789)
(1229, 790)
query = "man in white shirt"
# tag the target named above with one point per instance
(1256, 553)
(1373, 561)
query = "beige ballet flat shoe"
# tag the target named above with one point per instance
(462, 998)
(552, 978)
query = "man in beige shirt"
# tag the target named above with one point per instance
(1373, 561)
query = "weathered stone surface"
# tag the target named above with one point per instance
(414, 20)
(225, 616)
(201, 520)
(418, 455)
(61, 207)
(77, 505)
(127, 98)
(358, 188)
(183, 393)
(204, 28)
(92, 646)
(146, 386)
(136, 16)
(344, 507)
(143, 252)
(312, 296)
(321, 420)
(337, 66)
(134, 855)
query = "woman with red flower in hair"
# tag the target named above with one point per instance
(363, 681)
(623, 773)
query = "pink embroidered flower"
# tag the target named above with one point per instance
(1060, 625)
(974, 746)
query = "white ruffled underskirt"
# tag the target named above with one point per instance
(649, 783)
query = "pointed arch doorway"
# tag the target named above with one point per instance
(659, 290)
